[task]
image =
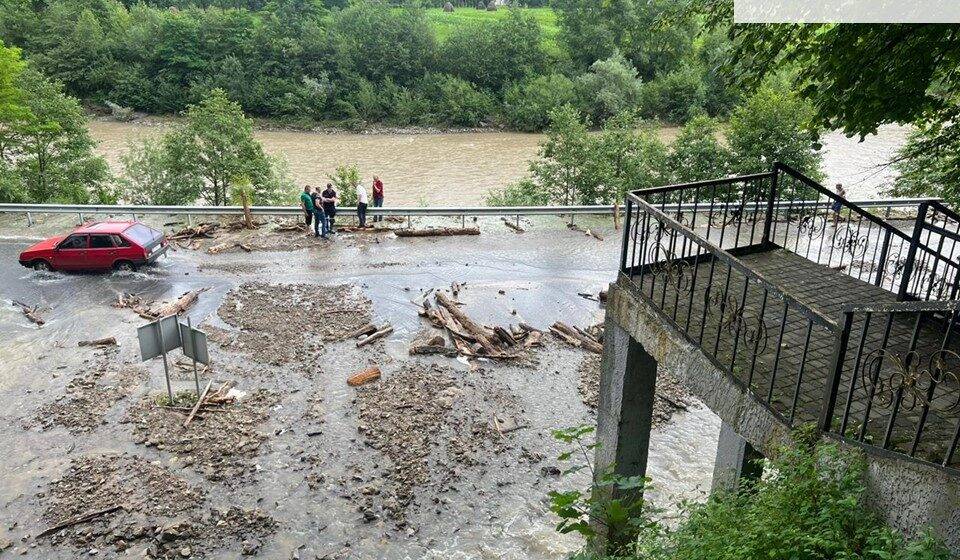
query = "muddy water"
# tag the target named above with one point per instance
(458, 169)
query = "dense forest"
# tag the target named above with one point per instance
(308, 61)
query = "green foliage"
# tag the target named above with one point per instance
(612, 501)
(675, 97)
(524, 192)
(697, 154)
(929, 164)
(346, 179)
(808, 505)
(454, 101)
(773, 125)
(610, 87)
(203, 158)
(444, 24)
(527, 105)
(564, 158)
(628, 156)
(494, 54)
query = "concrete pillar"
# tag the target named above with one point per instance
(627, 381)
(736, 460)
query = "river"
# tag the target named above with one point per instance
(458, 169)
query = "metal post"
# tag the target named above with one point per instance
(882, 263)
(134, 216)
(912, 252)
(518, 220)
(772, 195)
(193, 346)
(80, 214)
(189, 220)
(463, 221)
(29, 220)
(409, 224)
(833, 381)
(166, 368)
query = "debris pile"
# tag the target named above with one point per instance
(200, 231)
(89, 395)
(219, 443)
(471, 338)
(590, 339)
(281, 323)
(126, 503)
(427, 420)
(155, 310)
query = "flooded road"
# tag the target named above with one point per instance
(495, 509)
(458, 169)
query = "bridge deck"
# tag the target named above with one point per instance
(790, 370)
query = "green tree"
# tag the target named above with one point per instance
(527, 105)
(562, 166)
(345, 180)
(627, 156)
(697, 154)
(52, 149)
(157, 171)
(773, 125)
(676, 96)
(610, 87)
(929, 164)
(454, 101)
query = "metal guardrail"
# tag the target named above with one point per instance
(408, 212)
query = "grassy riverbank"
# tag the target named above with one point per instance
(444, 24)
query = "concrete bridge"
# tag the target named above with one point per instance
(779, 303)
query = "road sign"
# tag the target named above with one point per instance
(151, 335)
(194, 343)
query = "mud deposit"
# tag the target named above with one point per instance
(430, 423)
(158, 515)
(220, 444)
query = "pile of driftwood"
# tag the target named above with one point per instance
(204, 230)
(471, 338)
(207, 402)
(370, 333)
(587, 231)
(154, 311)
(590, 339)
(221, 247)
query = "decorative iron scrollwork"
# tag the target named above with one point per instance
(911, 376)
(850, 241)
(811, 225)
(734, 318)
(676, 271)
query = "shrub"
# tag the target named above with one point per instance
(522, 193)
(527, 105)
(675, 97)
(697, 154)
(610, 87)
(455, 101)
(345, 180)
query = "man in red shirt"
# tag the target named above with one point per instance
(377, 196)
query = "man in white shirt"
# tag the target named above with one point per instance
(362, 205)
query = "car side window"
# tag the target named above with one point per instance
(75, 242)
(119, 241)
(101, 242)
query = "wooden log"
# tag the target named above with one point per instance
(109, 341)
(196, 407)
(586, 342)
(534, 338)
(179, 305)
(363, 377)
(428, 349)
(504, 335)
(369, 328)
(31, 313)
(512, 225)
(79, 519)
(431, 232)
(476, 330)
(387, 329)
(528, 328)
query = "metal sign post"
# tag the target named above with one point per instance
(158, 338)
(195, 348)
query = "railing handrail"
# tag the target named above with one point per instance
(736, 263)
(901, 306)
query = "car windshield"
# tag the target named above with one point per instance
(141, 234)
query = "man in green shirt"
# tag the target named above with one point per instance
(306, 203)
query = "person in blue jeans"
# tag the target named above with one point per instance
(321, 225)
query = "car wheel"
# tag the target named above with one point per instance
(42, 266)
(124, 266)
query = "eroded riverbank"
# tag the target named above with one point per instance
(304, 466)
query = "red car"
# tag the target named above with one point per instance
(98, 246)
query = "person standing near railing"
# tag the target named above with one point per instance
(321, 226)
(837, 206)
(377, 196)
(362, 204)
(306, 204)
(328, 200)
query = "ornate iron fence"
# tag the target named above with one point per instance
(883, 375)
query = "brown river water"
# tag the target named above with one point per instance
(458, 169)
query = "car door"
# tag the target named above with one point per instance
(102, 252)
(71, 253)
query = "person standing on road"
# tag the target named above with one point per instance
(328, 199)
(320, 224)
(362, 205)
(836, 206)
(377, 196)
(306, 203)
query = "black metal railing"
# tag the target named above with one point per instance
(882, 375)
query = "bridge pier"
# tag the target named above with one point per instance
(737, 460)
(627, 381)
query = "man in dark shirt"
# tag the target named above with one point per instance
(320, 224)
(329, 201)
(377, 196)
